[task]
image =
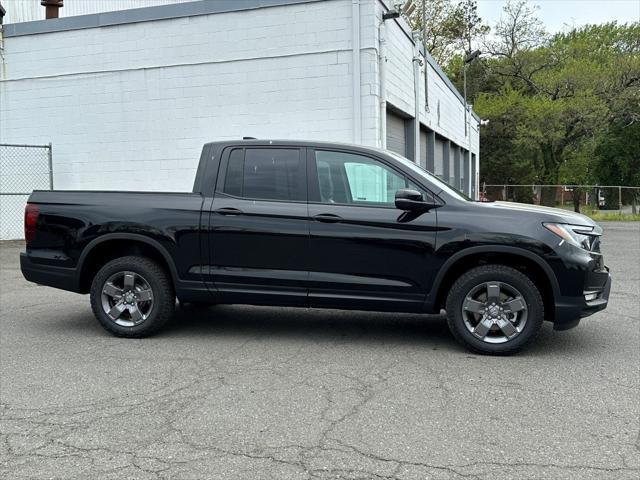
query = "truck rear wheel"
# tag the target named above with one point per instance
(494, 309)
(132, 297)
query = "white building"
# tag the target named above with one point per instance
(127, 98)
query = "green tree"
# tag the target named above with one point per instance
(504, 160)
(518, 30)
(472, 27)
(449, 27)
(571, 88)
(618, 156)
(617, 162)
(562, 108)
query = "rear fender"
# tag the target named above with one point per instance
(126, 236)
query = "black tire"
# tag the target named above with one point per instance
(159, 281)
(503, 275)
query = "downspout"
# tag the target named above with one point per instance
(417, 62)
(355, 46)
(426, 63)
(382, 60)
(477, 179)
(3, 72)
(469, 172)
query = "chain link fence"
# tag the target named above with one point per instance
(23, 168)
(598, 200)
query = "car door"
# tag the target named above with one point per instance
(364, 252)
(259, 233)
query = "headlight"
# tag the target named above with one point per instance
(580, 236)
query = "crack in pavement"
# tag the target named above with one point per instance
(321, 395)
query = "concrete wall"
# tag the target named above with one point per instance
(128, 98)
(129, 106)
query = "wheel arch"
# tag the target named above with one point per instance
(114, 245)
(523, 260)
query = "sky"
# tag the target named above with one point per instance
(558, 14)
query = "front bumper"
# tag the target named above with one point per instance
(569, 310)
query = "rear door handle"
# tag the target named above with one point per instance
(327, 218)
(228, 211)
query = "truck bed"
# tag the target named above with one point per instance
(69, 220)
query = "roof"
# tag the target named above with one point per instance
(145, 14)
(258, 142)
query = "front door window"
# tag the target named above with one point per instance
(352, 179)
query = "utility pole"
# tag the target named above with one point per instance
(464, 81)
(468, 60)
(426, 63)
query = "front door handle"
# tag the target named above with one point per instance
(327, 218)
(228, 211)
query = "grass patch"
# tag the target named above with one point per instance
(612, 217)
(604, 215)
(608, 215)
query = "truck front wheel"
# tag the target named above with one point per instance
(132, 297)
(494, 309)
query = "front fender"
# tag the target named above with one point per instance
(432, 297)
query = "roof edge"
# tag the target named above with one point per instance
(144, 14)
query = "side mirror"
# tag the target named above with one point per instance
(411, 200)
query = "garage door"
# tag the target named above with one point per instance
(396, 134)
(465, 171)
(473, 177)
(438, 167)
(423, 148)
(456, 158)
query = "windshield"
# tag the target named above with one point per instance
(432, 179)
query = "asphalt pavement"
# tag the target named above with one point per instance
(273, 393)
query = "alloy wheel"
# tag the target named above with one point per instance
(494, 312)
(127, 298)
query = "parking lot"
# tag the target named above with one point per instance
(248, 392)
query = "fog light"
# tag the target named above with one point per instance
(590, 296)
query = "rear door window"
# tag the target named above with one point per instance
(266, 174)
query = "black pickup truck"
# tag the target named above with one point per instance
(325, 225)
